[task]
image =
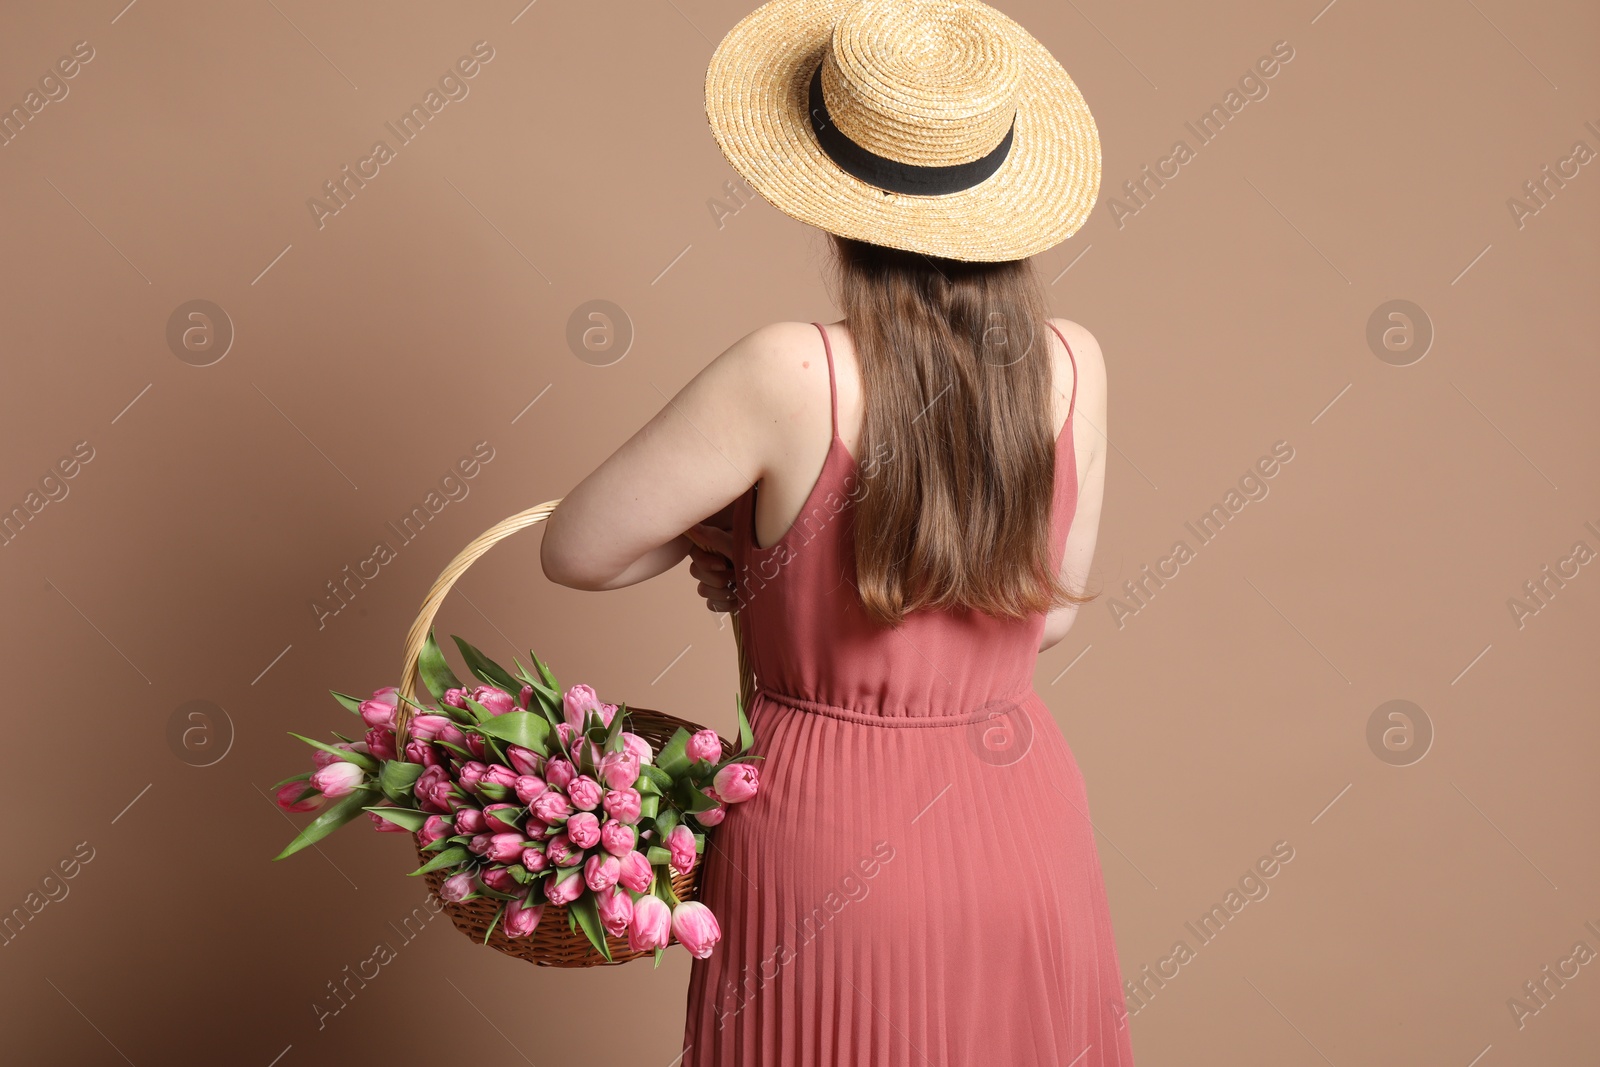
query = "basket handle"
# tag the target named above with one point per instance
(410, 676)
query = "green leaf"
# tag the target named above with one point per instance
(435, 671)
(522, 728)
(588, 916)
(673, 759)
(613, 738)
(334, 816)
(303, 776)
(648, 806)
(691, 799)
(658, 855)
(411, 820)
(447, 858)
(746, 737)
(486, 669)
(666, 821)
(545, 673)
(351, 704)
(493, 923)
(360, 759)
(397, 779)
(657, 776)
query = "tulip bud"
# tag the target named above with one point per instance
(520, 919)
(651, 924)
(636, 872)
(563, 892)
(496, 700)
(681, 842)
(457, 887)
(616, 911)
(584, 829)
(584, 792)
(288, 798)
(737, 782)
(695, 927)
(338, 779)
(704, 745)
(601, 871)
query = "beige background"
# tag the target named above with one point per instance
(370, 354)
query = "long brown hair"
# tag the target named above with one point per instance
(956, 388)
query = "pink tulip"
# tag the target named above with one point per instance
(520, 919)
(561, 853)
(616, 911)
(636, 872)
(389, 695)
(600, 872)
(499, 878)
(551, 806)
(564, 892)
(681, 843)
(456, 887)
(434, 828)
(384, 826)
(504, 848)
(559, 773)
(711, 816)
(651, 925)
(455, 697)
(470, 774)
(576, 702)
(377, 713)
(506, 817)
(496, 700)
(321, 757)
(704, 745)
(584, 792)
(470, 821)
(737, 782)
(380, 743)
(528, 787)
(422, 752)
(451, 734)
(617, 838)
(632, 742)
(338, 779)
(479, 845)
(695, 928)
(584, 829)
(567, 735)
(533, 858)
(288, 793)
(433, 790)
(428, 727)
(501, 775)
(525, 698)
(623, 804)
(619, 770)
(525, 761)
(476, 746)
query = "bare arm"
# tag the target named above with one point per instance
(1089, 439)
(625, 522)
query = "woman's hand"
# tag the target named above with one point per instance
(711, 564)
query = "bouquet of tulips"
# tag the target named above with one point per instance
(531, 794)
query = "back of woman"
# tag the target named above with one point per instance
(900, 508)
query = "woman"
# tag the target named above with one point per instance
(901, 506)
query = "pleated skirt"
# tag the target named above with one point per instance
(906, 894)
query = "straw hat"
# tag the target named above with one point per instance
(937, 126)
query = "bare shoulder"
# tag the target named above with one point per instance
(1090, 363)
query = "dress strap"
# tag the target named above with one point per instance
(1073, 402)
(833, 388)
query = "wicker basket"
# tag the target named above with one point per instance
(554, 943)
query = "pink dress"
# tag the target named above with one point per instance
(916, 884)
